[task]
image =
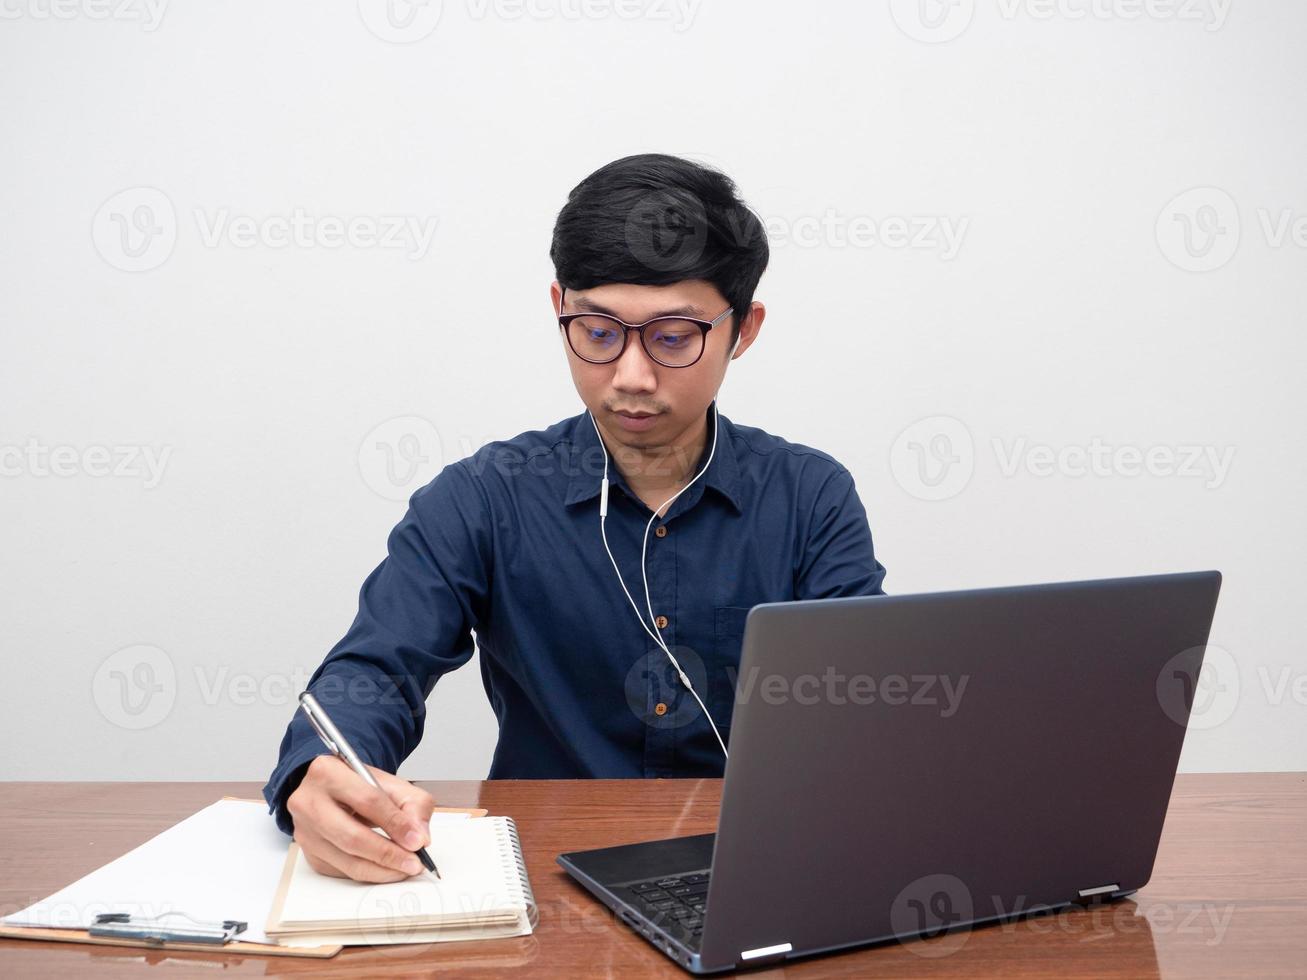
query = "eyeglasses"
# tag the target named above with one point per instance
(672, 341)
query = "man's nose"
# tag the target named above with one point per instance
(634, 371)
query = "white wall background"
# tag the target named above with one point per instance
(1069, 310)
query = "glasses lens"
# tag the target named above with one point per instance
(674, 342)
(595, 338)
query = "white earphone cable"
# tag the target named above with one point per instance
(603, 515)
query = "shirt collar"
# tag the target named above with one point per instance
(587, 462)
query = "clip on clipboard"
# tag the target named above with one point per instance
(150, 929)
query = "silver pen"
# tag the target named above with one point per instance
(342, 750)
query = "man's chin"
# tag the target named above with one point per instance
(652, 440)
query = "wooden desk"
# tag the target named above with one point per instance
(1228, 897)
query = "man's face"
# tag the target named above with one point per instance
(676, 398)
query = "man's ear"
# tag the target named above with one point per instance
(751, 324)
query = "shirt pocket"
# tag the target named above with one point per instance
(724, 670)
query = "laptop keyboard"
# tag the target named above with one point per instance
(682, 898)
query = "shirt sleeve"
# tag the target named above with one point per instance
(416, 613)
(838, 558)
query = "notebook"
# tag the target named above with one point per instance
(483, 893)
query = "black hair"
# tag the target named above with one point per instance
(653, 219)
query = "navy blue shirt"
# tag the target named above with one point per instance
(506, 542)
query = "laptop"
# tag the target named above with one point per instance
(903, 768)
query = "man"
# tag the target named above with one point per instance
(657, 260)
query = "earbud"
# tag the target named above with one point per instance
(735, 347)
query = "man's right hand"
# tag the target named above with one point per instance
(335, 810)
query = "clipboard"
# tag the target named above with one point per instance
(232, 946)
(181, 933)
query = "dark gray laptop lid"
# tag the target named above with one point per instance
(902, 762)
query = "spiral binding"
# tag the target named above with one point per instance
(527, 895)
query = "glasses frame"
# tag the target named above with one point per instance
(565, 320)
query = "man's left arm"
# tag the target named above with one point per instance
(838, 558)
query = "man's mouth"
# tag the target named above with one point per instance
(637, 421)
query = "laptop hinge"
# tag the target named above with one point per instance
(765, 954)
(1099, 890)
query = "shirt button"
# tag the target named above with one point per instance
(661, 531)
(661, 622)
(660, 709)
